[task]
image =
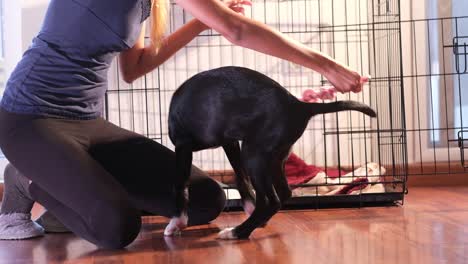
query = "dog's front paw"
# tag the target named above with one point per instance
(176, 225)
(227, 234)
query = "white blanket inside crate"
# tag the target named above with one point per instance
(328, 187)
(365, 179)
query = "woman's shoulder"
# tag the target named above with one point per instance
(103, 24)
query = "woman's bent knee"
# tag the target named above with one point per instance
(206, 202)
(115, 225)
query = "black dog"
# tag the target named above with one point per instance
(223, 106)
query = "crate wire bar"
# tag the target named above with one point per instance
(419, 106)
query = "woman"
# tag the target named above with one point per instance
(92, 176)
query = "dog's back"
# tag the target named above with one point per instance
(234, 103)
(226, 104)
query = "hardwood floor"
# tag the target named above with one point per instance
(432, 227)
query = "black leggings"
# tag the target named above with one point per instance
(97, 178)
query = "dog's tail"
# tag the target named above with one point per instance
(325, 108)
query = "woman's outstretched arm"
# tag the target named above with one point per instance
(257, 36)
(141, 59)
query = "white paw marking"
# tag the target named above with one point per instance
(249, 207)
(227, 234)
(176, 225)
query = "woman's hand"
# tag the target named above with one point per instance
(238, 5)
(345, 79)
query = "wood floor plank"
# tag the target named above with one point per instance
(431, 227)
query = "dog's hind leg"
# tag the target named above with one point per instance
(257, 166)
(280, 181)
(281, 191)
(233, 153)
(183, 167)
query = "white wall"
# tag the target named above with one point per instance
(12, 33)
(432, 98)
(22, 22)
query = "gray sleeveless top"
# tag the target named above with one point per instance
(64, 72)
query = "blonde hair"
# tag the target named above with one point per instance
(159, 11)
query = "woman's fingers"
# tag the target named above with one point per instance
(246, 2)
(362, 81)
(239, 3)
(237, 6)
(350, 82)
(238, 9)
(365, 79)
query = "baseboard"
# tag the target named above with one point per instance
(419, 174)
(224, 176)
(437, 174)
(425, 174)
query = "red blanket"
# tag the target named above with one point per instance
(299, 172)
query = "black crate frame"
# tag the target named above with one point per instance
(385, 140)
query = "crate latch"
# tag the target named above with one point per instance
(460, 51)
(461, 144)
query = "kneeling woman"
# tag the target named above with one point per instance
(93, 177)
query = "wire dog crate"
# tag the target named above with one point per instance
(344, 157)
